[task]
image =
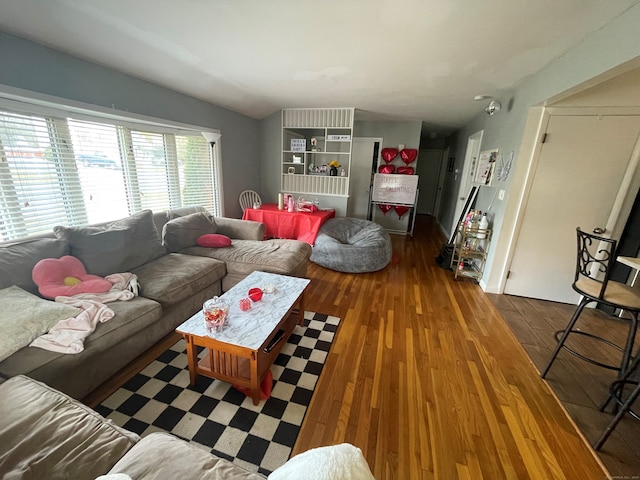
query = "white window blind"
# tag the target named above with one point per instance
(63, 171)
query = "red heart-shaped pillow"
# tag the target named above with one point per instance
(389, 154)
(213, 240)
(408, 155)
(386, 168)
(65, 277)
(405, 170)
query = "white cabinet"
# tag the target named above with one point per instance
(312, 138)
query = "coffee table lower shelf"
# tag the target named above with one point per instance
(237, 365)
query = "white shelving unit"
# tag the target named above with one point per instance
(332, 128)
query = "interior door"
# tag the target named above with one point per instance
(363, 162)
(468, 171)
(579, 176)
(428, 171)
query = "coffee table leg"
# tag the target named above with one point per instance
(192, 358)
(301, 310)
(255, 381)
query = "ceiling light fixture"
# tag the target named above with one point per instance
(493, 107)
(481, 97)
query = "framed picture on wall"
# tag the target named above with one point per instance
(485, 167)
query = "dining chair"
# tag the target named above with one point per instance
(248, 198)
(595, 257)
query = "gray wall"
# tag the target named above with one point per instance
(393, 134)
(611, 46)
(271, 142)
(36, 68)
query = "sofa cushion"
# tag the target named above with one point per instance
(184, 231)
(46, 434)
(18, 259)
(286, 257)
(24, 317)
(246, 256)
(175, 277)
(161, 456)
(130, 317)
(116, 247)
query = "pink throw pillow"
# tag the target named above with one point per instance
(66, 276)
(213, 240)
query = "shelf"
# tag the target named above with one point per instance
(330, 130)
(470, 252)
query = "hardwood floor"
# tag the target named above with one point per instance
(427, 378)
(580, 386)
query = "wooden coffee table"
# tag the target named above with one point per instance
(245, 348)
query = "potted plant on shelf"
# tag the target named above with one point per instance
(333, 168)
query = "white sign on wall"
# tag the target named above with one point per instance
(394, 188)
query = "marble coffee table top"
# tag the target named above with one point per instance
(250, 329)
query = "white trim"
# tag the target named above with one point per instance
(590, 111)
(531, 144)
(38, 103)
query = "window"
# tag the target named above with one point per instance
(66, 171)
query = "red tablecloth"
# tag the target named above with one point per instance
(283, 224)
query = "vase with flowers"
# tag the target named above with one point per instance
(333, 168)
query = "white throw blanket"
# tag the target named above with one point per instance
(67, 336)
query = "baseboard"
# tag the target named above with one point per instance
(488, 288)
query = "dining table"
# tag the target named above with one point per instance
(303, 226)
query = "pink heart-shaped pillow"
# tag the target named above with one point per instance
(386, 168)
(405, 170)
(65, 277)
(408, 155)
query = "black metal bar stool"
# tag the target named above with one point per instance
(595, 256)
(616, 393)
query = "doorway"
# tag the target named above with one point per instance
(365, 157)
(474, 143)
(428, 171)
(584, 171)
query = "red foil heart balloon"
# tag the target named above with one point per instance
(385, 208)
(405, 170)
(400, 210)
(389, 154)
(408, 155)
(386, 168)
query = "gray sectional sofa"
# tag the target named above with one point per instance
(176, 277)
(47, 434)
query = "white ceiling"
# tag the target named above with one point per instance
(405, 59)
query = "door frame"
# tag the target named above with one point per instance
(474, 144)
(441, 176)
(522, 182)
(380, 140)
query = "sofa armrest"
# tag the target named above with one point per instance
(239, 229)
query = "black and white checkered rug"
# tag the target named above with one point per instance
(215, 416)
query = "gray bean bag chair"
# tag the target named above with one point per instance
(352, 245)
